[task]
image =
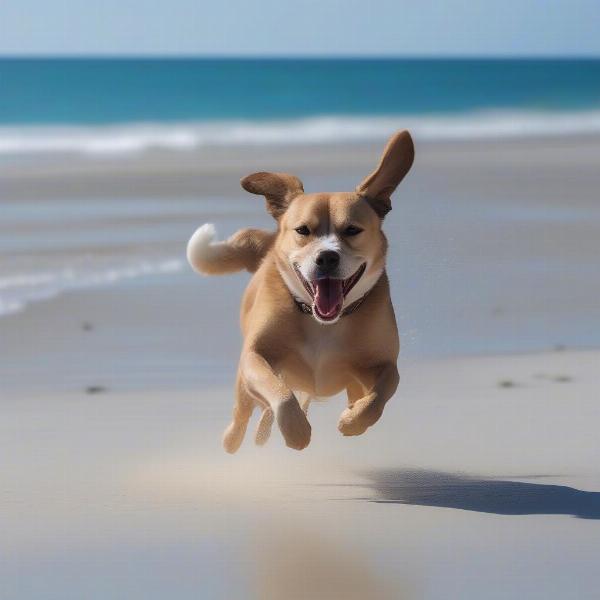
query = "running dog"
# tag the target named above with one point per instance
(317, 317)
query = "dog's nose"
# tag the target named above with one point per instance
(328, 260)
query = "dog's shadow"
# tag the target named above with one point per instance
(488, 495)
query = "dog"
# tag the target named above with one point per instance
(317, 317)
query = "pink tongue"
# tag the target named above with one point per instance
(329, 296)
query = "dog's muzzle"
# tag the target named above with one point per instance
(328, 293)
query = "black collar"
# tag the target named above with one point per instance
(306, 309)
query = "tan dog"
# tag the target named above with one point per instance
(316, 316)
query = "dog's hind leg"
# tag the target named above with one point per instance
(242, 411)
(304, 400)
(263, 429)
(265, 423)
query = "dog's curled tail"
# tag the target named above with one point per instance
(245, 249)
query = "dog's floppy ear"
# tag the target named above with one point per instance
(395, 163)
(279, 189)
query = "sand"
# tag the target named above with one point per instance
(480, 481)
(468, 487)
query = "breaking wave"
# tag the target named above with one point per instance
(135, 138)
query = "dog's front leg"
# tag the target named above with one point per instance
(367, 398)
(292, 421)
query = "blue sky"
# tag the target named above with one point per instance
(301, 27)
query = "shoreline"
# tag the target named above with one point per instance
(106, 337)
(506, 234)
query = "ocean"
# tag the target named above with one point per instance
(101, 106)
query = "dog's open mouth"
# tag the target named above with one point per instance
(328, 293)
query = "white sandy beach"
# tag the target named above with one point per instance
(466, 488)
(482, 478)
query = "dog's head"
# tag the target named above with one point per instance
(330, 248)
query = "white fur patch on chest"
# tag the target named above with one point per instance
(321, 352)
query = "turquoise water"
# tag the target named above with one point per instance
(120, 91)
(121, 106)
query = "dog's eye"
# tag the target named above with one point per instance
(302, 230)
(351, 230)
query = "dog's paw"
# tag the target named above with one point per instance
(293, 424)
(357, 419)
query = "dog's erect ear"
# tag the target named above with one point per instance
(279, 189)
(395, 163)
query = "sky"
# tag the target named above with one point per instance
(301, 27)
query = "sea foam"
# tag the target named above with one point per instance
(19, 290)
(135, 138)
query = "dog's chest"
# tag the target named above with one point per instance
(324, 354)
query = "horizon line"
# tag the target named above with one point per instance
(291, 57)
